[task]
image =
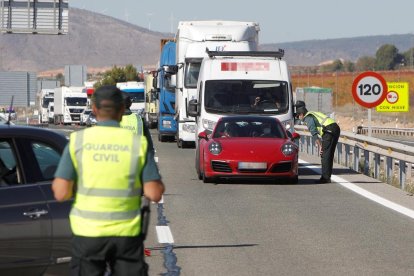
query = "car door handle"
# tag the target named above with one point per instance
(35, 214)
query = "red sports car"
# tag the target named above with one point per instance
(247, 147)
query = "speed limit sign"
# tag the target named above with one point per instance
(369, 89)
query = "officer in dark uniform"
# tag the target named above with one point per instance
(326, 132)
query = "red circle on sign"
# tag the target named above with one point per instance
(390, 98)
(376, 76)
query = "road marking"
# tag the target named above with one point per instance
(164, 234)
(345, 183)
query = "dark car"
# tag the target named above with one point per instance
(91, 120)
(34, 228)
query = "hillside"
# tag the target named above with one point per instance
(94, 40)
(100, 41)
(313, 52)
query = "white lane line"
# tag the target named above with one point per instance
(164, 234)
(345, 183)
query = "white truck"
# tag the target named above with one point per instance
(51, 112)
(192, 38)
(69, 103)
(46, 97)
(136, 90)
(236, 82)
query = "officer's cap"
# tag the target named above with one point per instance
(301, 110)
(300, 104)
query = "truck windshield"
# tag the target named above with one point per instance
(246, 96)
(137, 97)
(46, 101)
(192, 69)
(76, 101)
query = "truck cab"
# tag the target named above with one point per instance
(192, 38)
(234, 83)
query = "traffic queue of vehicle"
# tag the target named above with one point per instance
(229, 145)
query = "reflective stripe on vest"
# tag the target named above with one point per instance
(108, 161)
(322, 119)
(133, 122)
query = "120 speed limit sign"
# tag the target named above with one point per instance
(369, 89)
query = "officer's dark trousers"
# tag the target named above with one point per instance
(93, 256)
(329, 141)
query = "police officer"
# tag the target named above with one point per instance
(110, 168)
(134, 122)
(322, 128)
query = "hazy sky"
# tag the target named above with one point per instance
(280, 21)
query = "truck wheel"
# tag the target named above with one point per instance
(161, 138)
(179, 143)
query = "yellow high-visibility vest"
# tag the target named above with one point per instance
(323, 120)
(133, 122)
(108, 162)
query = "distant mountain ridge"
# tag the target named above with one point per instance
(314, 52)
(97, 40)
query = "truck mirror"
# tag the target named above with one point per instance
(173, 81)
(154, 82)
(154, 94)
(170, 69)
(193, 110)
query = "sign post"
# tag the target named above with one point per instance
(369, 89)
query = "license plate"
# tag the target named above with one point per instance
(252, 165)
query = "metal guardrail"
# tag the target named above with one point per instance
(408, 132)
(386, 161)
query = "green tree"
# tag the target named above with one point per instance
(118, 74)
(61, 78)
(409, 58)
(365, 63)
(335, 66)
(349, 66)
(131, 73)
(387, 57)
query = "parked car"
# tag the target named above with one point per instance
(34, 228)
(84, 116)
(91, 120)
(247, 147)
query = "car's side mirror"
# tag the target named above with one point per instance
(203, 135)
(293, 136)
